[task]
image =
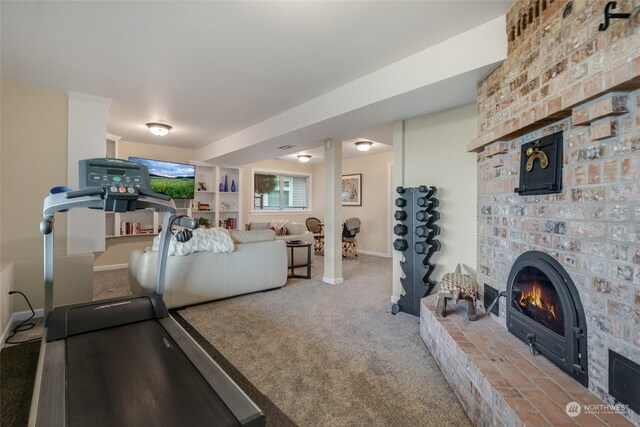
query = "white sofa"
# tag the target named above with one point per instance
(259, 262)
(295, 231)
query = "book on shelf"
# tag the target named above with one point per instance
(229, 223)
(134, 228)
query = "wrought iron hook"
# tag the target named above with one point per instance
(608, 15)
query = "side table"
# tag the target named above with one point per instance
(292, 244)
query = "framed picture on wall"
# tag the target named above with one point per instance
(352, 190)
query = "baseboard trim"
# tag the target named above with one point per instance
(16, 317)
(333, 281)
(380, 254)
(110, 267)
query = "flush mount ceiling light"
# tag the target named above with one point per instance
(304, 158)
(363, 145)
(158, 129)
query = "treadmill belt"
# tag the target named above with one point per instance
(136, 375)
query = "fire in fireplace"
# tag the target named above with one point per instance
(536, 297)
(544, 310)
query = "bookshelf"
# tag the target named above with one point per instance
(218, 208)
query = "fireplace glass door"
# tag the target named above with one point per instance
(534, 295)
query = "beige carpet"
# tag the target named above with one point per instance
(333, 355)
(111, 284)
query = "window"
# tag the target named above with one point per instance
(280, 191)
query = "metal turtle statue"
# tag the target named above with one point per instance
(456, 286)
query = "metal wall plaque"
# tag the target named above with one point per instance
(541, 166)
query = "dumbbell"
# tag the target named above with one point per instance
(424, 231)
(424, 202)
(427, 248)
(400, 245)
(400, 229)
(400, 190)
(400, 215)
(421, 247)
(400, 202)
(427, 217)
(430, 191)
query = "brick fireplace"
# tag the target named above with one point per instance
(563, 75)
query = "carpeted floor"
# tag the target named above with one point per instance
(17, 374)
(333, 355)
(111, 284)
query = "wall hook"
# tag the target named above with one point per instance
(608, 15)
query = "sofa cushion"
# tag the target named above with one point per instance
(258, 226)
(239, 236)
(293, 228)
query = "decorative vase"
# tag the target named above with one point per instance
(221, 188)
(226, 184)
(233, 185)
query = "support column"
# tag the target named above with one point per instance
(87, 130)
(398, 180)
(333, 212)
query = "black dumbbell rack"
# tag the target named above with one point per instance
(416, 232)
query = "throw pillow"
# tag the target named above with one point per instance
(295, 228)
(279, 226)
(259, 226)
(280, 231)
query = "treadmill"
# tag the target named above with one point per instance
(125, 361)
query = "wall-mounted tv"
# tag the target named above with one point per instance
(176, 179)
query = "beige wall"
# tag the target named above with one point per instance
(72, 276)
(118, 249)
(376, 201)
(33, 159)
(154, 151)
(277, 165)
(435, 154)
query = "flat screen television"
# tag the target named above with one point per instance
(176, 179)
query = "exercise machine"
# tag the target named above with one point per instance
(126, 361)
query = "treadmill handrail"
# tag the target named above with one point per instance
(59, 202)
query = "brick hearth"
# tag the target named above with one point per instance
(496, 378)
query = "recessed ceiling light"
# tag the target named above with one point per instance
(158, 129)
(304, 158)
(363, 145)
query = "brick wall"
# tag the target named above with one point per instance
(563, 74)
(555, 62)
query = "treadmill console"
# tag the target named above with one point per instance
(117, 176)
(120, 181)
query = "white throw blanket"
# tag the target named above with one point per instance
(215, 240)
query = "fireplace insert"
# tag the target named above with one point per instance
(544, 310)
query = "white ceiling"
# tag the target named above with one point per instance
(349, 151)
(211, 69)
